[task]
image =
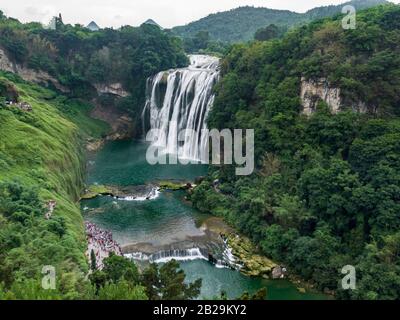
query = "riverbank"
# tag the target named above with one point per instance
(100, 245)
(168, 227)
(253, 263)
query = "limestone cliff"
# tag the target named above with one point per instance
(122, 125)
(28, 74)
(113, 88)
(314, 90)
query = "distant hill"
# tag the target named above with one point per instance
(93, 26)
(240, 24)
(152, 22)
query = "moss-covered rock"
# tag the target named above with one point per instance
(95, 190)
(253, 263)
(174, 186)
(94, 145)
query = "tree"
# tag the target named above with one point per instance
(201, 40)
(267, 33)
(168, 283)
(122, 290)
(259, 295)
(117, 268)
(93, 262)
(98, 279)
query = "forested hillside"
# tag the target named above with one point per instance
(42, 164)
(326, 190)
(240, 24)
(79, 58)
(41, 159)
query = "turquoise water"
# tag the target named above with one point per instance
(162, 221)
(124, 163)
(234, 283)
(166, 219)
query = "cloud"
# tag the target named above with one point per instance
(42, 14)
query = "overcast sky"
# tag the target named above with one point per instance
(167, 13)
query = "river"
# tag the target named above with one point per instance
(166, 220)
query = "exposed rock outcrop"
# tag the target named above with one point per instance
(254, 264)
(278, 272)
(94, 145)
(122, 125)
(5, 63)
(114, 88)
(313, 91)
(9, 91)
(28, 74)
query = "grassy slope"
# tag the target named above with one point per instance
(43, 148)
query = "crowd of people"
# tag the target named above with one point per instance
(101, 242)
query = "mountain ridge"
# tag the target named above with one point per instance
(240, 24)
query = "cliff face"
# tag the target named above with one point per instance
(113, 88)
(122, 125)
(5, 63)
(313, 91)
(39, 77)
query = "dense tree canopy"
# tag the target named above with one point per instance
(240, 24)
(168, 283)
(326, 190)
(79, 58)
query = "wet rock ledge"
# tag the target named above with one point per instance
(253, 264)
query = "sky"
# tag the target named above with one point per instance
(115, 13)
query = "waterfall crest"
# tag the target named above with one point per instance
(168, 255)
(181, 99)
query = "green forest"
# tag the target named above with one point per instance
(326, 191)
(42, 158)
(240, 24)
(80, 58)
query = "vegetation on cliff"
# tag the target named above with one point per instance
(80, 58)
(41, 160)
(326, 190)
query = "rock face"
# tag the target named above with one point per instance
(122, 125)
(278, 272)
(313, 91)
(5, 63)
(94, 145)
(253, 263)
(9, 91)
(28, 74)
(113, 88)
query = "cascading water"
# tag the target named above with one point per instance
(168, 255)
(181, 99)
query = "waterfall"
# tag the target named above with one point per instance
(220, 257)
(153, 194)
(168, 255)
(181, 99)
